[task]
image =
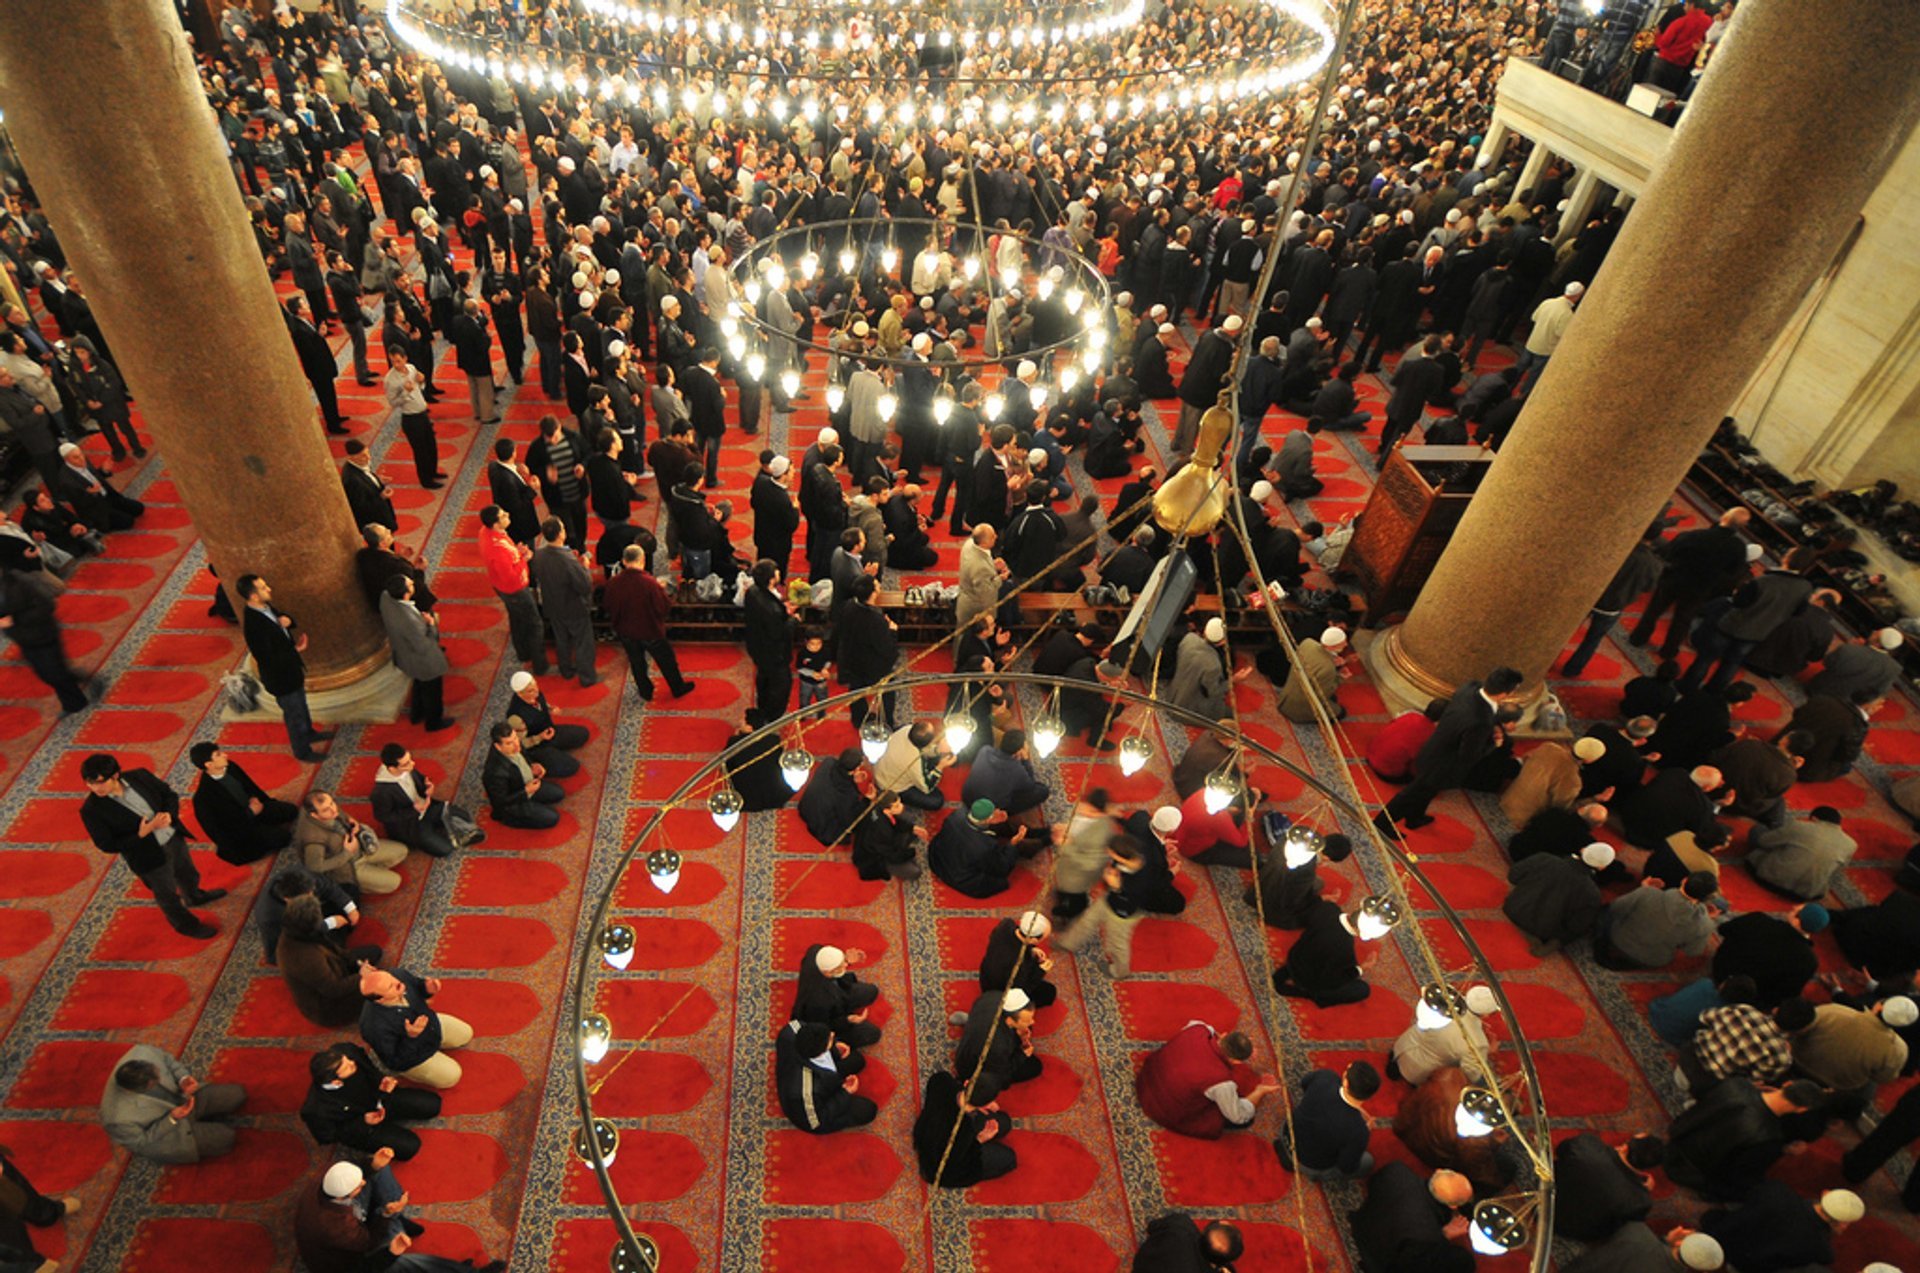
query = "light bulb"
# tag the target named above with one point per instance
(602, 1137)
(756, 366)
(889, 258)
(796, 766)
(596, 1036)
(1437, 1006)
(752, 290)
(1301, 845)
(725, 805)
(959, 731)
(835, 397)
(1069, 377)
(790, 382)
(729, 326)
(970, 268)
(1496, 1230)
(1048, 733)
(847, 259)
(942, 408)
(616, 946)
(1378, 915)
(993, 406)
(809, 266)
(886, 403)
(737, 347)
(1478, 1113)
(663, 865)
(1221, 789)
(1045, 287)
(1135, 752)
(873, 738)
(1009, 280)
(1037, 395)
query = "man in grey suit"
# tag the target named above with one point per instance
(154, 1108)
(415, 639)
(566, 596)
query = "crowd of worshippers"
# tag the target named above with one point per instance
(363, 1092)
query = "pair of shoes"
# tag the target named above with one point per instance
(140, 452)
(589, 679)
(1384, 825)
(119, 456)
(1419, 820)
(201, 929)
(310, 756)
(444, 723)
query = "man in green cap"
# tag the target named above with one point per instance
(970, 858)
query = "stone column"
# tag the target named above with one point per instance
(1532, 171)
(108, 114)
(1580, 201)
(1493, 145)
(1705, 273)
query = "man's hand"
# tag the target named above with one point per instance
(189, 1085)
(858, 1016)
(180, 1112)
(533, 786)
(253, 803)
(433, 985)
(400, 1244)
(388, 1083)
(842, 1049)
(853, 1083)
(398, 1205)
(300, 642)
(375, 1117)
(539, 770)
(417, 1027)
(854, 955)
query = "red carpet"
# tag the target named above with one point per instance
(1156, 1010)
(1053, 1168)
(821, 885)
(1239, 1169)
(1579, 1086)
(262, 1164)
(804, 1246)
(65, 1154)
(122, 997)
(275, 1078)
(454, 1166)
(186, 1245)
(488, 1081)
(650, 1167)
(791, 937)
(1172, 945)
(501, 881)
(1053, 1092)
(493, 941)
(699, 883)
(804, 1170)
(65, 1074)
(1008, 1246)
(581, 1246)
(24, 930)
(643, 1084)
(665, 1009)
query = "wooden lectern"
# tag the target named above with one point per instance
(1421, 496)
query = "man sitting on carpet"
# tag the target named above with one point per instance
(352, 1104)
(243, 821)
(153, 1108)
(819, 1079)
(1198, 1082)
(996, 1048)
(970, 858)
(832, 799)
(1175, 1245)
(346, 1222)
(546, 743)
(829, 994)
(408, 811)
(1018, 942)
(517, 788)
(403, 1033)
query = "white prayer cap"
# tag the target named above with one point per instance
(1453, 216)
(779, 465)
(1576, 290)
(521, 681)
(1481, 1001)
(1026, 370)
(1699, 1251)
(1843, 1206)
(1589, 749)
(830, 958)
(1899, 1012)
(1036, 458)
(1889, 638)
(1215, 632)
(922, 343)
(1373, 147)
(341, 1180)
(1034, 925)
(1598, 856)
(516, 205)
(846, 143)
(1015, 1000)
(1166, 329)
(1406, 216)
(68, 448)
(828, 436)
(486, 170)
(1262, 491)
(580, 279)
(1314, 324)
(610, 278)
(861, 329)
(1755, 552)
(1333, 639)
(1248, 226)
(1124, 299)
(566, 163)
(1231, 323)
(1880, 1266)
(1158, 311)
(1166, 819)
(588, 298)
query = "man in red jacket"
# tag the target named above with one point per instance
(637, 606)
(1192, 1084)
(506, 563)
(1677, 47)
(1391, 751)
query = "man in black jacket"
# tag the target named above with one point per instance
(369, 498)
(832, 798)
(1174, 1245)
(1405, 1222)
(1701, 564)
(706, 407)
(869, 650)
(243, 821)
(1415, 381)
(824, 502)
(770, 625)
(316, 360)
(775, 516)
(513, 492)
(517, 789)
(353, 1105)
(28, 618)
(1466, 733)
(473, 353)
(276, 648)
(134, 814)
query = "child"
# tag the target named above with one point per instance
(813, 662)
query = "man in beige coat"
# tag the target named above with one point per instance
(1316, 667)
(1549, 778)
(335, 847)
(980, 576)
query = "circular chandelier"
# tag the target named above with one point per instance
(725, 72)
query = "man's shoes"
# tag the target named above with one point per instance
(140, 452)
(365, 380)
(684, 690)
(201, 930)
(432, 486)
(206, 895)
(322, 735)
(589, 679)
(338, 430)
(1384, 825)
(439, 475)
(1418, 820)
(310, 756)
(439, 725)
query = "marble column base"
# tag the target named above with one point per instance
(376, 699)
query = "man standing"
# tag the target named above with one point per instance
(506, 563)
(1701, 564)
(775, 516)
(473, 352)
(1550, 321)
(770, 625)
(404, 389)
(415, 639)
(1466, 733)
(276, 650)
(316, 360)
(369, 498)
(155, 1109)
(566, 598)
(512, 489)
(135, 815)
(707, 408)
(28, 617)
(637, 606)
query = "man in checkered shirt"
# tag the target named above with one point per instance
(1745, 1040)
